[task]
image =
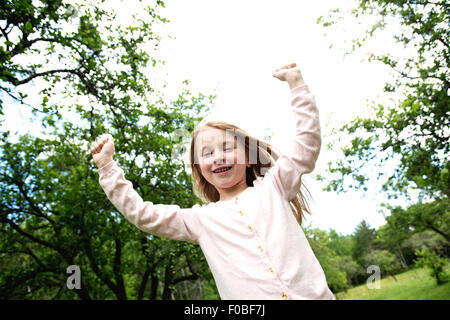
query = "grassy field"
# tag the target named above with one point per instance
(414, 284)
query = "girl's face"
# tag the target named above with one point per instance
(219, 150)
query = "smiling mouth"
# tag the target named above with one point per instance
(222, 170)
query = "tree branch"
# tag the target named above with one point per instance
(12, 282)
(31, 253)
(144, 281)
(446, 236)
(121, 293)
(192, 276)
(35, 208)
(35, 239)
(5, 34)
(187, 277)
(95, 266)
(46, 73)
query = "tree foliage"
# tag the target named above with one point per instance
(93, 75)
(407, 132)
(435, 263)
(363, 242)
(433, 216)
(54, 214)
(77, 47)
(329, 260)
(415, 128)
(385, 260)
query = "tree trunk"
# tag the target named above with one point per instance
(82, 292)
(154, 287)
(143, 283)
(393, 276)
(167, 283)
(402, 259)
(120, 285)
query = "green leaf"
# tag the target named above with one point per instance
(28, 27)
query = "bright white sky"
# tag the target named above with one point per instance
(232, 47)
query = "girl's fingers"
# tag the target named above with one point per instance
(107, 138)
(98, 145)
(287, 66)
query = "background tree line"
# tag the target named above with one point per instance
(92, 73)
(395, 247)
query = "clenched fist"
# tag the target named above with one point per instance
(291, 74)
(103, 150)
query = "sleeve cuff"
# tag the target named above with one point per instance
(106, 168)
(299, 89)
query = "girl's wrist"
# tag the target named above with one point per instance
(101, 163)
(294, 83)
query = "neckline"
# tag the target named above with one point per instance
(235, 197)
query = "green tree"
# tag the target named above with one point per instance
(436, 264)
(77, 48)
(394, 233)
(408, 229)
(426, 239)
(353, 271)
(387, 262)
(415, 128)
(54, 214)
(410, 131)
(343, 247)
(340, 244)
(53, 211)
(329, 260)
(363, 238)
(433, 216)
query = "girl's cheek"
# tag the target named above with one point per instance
(205, 164)
(239, 157)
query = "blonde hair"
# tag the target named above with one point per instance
(266, 158)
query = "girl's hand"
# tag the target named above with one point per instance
(291, 74)
(103, 150)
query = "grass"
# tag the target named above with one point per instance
(414, 284)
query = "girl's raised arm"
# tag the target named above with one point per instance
(305, 148)
(169, 221)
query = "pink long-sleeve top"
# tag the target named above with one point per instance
(252, 243)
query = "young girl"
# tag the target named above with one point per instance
(248, 227)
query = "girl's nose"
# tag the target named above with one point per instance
(220, 157)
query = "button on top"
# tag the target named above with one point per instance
(250, 228)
